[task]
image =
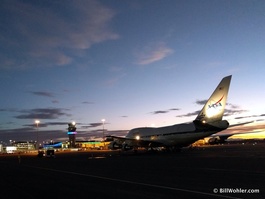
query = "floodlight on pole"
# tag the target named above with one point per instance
(37, 125)
(103, 132)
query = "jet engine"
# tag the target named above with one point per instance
(114, 145)
(126, 147)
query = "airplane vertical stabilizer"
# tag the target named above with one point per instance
(214, 108)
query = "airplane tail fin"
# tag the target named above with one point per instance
(214, 108)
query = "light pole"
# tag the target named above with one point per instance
(37, 124)
(103, 133)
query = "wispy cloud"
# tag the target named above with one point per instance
(87, 102)
(46, 124)
(230, 112)
(250, 116)
(8, 110)
(164, 111)
(55, 101)
(116, 75)
(42, 93)
(92, 125)
(195, 113)
(49, 35)
(153, 53)
(200, 102)
(43, 113)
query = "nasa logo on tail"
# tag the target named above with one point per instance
(216, 104)
(214, 107)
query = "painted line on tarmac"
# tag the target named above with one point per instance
(136, 183)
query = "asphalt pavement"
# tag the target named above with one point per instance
(228, 171)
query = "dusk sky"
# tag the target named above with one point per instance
(132, 62)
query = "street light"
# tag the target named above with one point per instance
(37, 124)
(103, 133)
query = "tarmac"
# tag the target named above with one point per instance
(225, 171)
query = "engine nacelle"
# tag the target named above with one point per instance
(214, 140)
(114, 145)
(126, 147)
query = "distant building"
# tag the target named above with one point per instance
(11, 149)
(24, 145)
(92, 145)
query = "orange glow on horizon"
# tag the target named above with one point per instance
(259, 135)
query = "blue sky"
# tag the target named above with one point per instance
(134, 63)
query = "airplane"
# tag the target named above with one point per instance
(173, 138)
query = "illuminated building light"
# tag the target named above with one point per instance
(55, 145)
(71, 133)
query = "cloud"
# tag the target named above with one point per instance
(8, 110)
(43, 113)
(195, 113)
(93, 125)
(55, 101)
(201, 102)
(50, 33)
(153, 53)
(164, 111)
(117, 74)
(33, 125)
(230, 112)
(159, 112)
(86, 102)
(46, 124)
(233, 106)
(250, 116)
(29, 134)
(42, 93)
(174, 109)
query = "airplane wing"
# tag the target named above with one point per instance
(221, 138)
(231, 126)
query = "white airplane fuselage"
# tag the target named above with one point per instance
(178, 135)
